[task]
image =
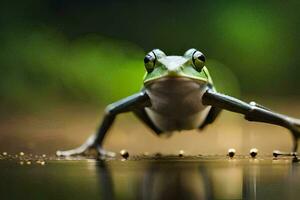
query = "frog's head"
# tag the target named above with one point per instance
(190, 66)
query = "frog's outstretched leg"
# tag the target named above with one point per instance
(94, 142)
(254, 112)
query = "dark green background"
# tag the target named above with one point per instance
(92, 51)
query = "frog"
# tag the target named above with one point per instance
(178, 94)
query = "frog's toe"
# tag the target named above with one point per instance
(105, 153)
(86, 151)
(73, 152)
(63, 153)
(83, 150)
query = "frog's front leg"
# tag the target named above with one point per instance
(94, 142)
(254, 112)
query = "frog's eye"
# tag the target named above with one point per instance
(198, 60)
(149, 61)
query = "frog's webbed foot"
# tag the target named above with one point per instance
(294, 155)
(294, 126)
(89, 148)
(86, 151)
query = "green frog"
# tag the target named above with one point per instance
(178, 94)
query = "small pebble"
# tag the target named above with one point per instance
(4, 153)
(28, 163)
(21, 153)
(44, 155)
(181, 153)
(276, 153)
(42, 162)
(124, 153)
(253, 152)
(231, 152)
(21, 163)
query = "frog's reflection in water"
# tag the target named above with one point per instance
(105, 181)
(168, 180)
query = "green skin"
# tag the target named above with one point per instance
(183, 68)
(184, 85)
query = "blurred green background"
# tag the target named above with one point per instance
(62, 61)
(92, 51)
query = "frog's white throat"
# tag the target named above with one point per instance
(177, 103)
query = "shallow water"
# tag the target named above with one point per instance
(161, 177)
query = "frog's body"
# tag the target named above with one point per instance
(179, 94)
(175, 89)
(170, 113)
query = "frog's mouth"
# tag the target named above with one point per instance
(175, 80)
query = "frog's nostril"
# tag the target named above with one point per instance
(173, 71)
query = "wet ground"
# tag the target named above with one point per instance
(149, 177)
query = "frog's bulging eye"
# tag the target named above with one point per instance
(198, 60)
(149, 62)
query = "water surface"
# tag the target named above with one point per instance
(202, 177)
